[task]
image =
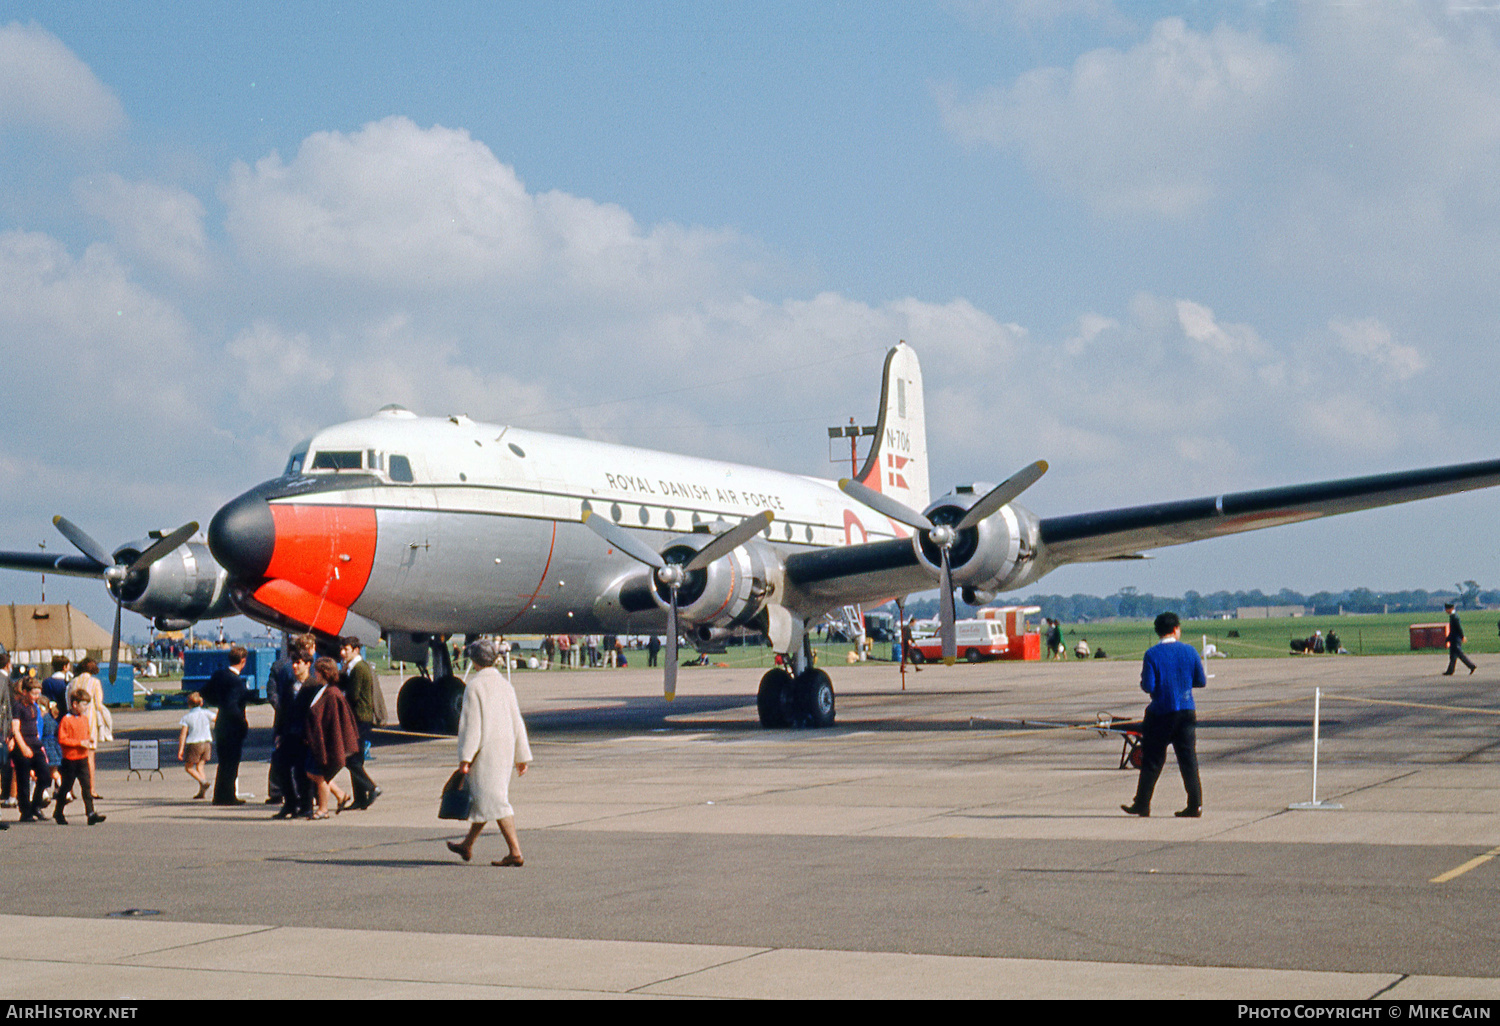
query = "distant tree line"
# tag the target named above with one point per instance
(1132, 604)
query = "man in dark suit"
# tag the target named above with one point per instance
(1455, 643)
(359, 685)
(226, 692)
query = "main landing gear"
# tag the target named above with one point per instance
(431, 705)
(805, 700)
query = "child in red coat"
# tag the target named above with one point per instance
(75, 736)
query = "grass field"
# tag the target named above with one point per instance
(1376, 634)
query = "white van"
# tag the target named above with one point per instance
(977, 639)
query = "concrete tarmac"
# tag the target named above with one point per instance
(959, 839)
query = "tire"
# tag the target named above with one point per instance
(773, 699)
(972, 655)
(917, 658)
(815, 700)
(447, 704)
(411, 704)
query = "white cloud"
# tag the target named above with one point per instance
(1145, 130)
(433, 211)
(160, 224)
(44, 86)
(1370, 340)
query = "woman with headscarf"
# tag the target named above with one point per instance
(329, 732)
(491, 740)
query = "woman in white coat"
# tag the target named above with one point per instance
(491, 739)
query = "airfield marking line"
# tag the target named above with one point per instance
(1258, 705)
(1473, 863)
(1413, 705)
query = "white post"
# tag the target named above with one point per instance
(1317, 721)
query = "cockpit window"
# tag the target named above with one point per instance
(400, 469)
(294, 464)
(338, 461)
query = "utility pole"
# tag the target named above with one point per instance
(854, 433)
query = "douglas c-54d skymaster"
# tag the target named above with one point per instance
(416, 529)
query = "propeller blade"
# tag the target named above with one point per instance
(730, 540)
(949, 616)
(82, 542)
(620, 539)
(882, 504)
(1002, 493)
(669, 683)
(114, 644)
(164, 545)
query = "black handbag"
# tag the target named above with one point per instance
(456, 797)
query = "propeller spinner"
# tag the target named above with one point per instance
(944, 535)
(116, 574)
(673, 574)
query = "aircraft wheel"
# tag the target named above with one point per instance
(773, 699)
(972, 655)
(917, 658)
(447, 704)
(411, 704)
(815, 699)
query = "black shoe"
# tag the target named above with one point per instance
(1447, 673)
(1136, 810)
(232, 801)
(1191, 812)
(95, 818)
(59, 820)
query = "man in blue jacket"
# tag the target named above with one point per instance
(1169, 673)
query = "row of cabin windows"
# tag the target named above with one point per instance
(398, 468)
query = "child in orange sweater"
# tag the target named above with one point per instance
(75, 735)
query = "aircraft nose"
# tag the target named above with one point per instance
(242, 537)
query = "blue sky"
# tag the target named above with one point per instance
(1172, 249)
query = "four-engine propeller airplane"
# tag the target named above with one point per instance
(417, 529)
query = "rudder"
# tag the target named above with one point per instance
(897, 464)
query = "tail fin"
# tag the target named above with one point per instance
(897, 464)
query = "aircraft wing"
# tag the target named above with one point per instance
(864, 572)
(51, 563)
(1124, 533)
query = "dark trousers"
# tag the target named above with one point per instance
(1456, 653)
(29, 793)
(364, 787)
(1180, 730)
(229, 740)
(74, 770)
(288, 769)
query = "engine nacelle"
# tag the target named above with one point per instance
(995, 555)
(185, 585)
(728, 593)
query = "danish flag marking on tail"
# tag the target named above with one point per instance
(897, 463)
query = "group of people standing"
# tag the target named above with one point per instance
(326, 711)
(591, 651)
(53, 729)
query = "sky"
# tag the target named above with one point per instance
(1173, 249)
